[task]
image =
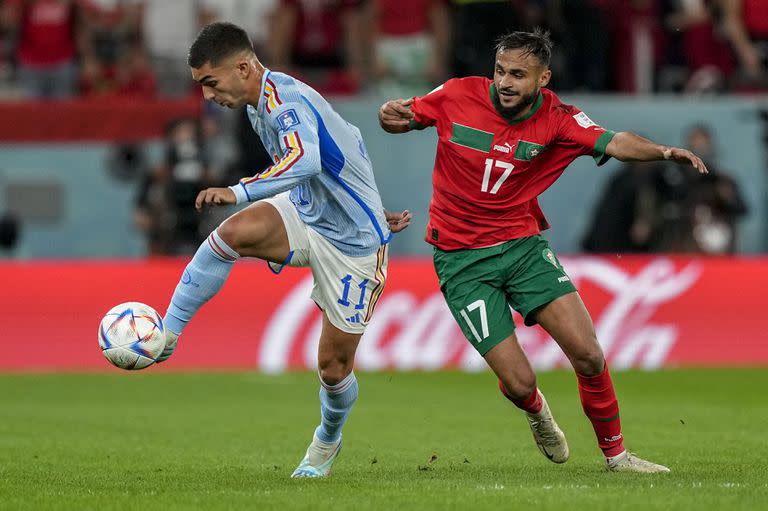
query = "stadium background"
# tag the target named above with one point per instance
(99, 172)
(87, 222)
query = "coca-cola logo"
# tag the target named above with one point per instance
(410, 330)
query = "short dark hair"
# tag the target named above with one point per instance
(536, 43)
(216, 42)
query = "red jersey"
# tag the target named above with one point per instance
(489, 171)
(47, 34)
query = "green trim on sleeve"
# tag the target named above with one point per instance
(598, 153)
(412, 124)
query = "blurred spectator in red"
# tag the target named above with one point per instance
(47, 36)
(703, 49)
(637, 43)
(168, 27)
(320, 41)
(131, 75)
(255, 16)
(410, 43)
(135, 76)
(746, 24)
(110, 27)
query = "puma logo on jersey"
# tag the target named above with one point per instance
(506, 148)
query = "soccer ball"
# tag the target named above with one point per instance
(131, 335)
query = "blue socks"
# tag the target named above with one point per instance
(335, 403)
(201, 280)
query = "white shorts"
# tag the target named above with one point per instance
(346, 288)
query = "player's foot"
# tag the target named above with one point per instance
(628, 462)
(547, 434)
(170, 344)
(318, 460)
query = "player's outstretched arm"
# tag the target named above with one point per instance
(395, 115)
(628, 146)
(398, 221)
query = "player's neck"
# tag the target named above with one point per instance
(257, 81)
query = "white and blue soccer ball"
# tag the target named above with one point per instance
(131, 335)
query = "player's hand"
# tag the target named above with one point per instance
(398, 221)
(396, 113)
(684, 156)
(215, 197)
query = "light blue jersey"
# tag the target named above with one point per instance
(322, 160)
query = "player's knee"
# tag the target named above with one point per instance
(230, 231)
(589, 362)
(519, 387)
(333, 374)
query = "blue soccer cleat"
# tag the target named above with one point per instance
(318, 460)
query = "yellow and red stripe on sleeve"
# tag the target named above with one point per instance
(295, 150)
(272, 99)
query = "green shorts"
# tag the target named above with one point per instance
(481, 286)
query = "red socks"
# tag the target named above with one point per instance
(531, 404)
(602, 409)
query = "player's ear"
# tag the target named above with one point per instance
(243, 67)
(544, 78)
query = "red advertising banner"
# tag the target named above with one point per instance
(106, 119)
(649, 312)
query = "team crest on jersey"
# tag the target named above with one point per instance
(527, 151)
(288, 120)
(584, 121)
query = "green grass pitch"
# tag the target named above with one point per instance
(167, 441)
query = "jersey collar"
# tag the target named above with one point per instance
(260, 105)
(499, 109)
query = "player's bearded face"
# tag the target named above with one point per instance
(519, 77)
(519, 101)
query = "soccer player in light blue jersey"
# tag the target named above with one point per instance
(316, 206)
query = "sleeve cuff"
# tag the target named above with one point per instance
(412, 124)
(598, 153)
(240, 193)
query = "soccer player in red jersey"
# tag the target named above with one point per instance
(501, 143)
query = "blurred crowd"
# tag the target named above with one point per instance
(662, 207)
(63, 48)
(52, 49)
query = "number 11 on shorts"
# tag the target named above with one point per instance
(344, 300)
(479, 304)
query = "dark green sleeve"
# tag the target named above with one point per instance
(415, 125)
(598, 153)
